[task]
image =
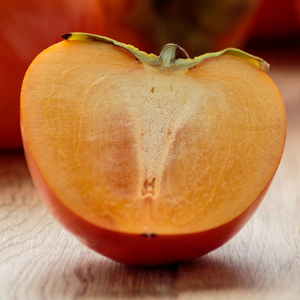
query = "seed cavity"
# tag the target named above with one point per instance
(149, 186)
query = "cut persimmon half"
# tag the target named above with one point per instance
(150, 159)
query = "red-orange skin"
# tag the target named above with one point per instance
(276, 20)
(118, 27)
(116, 24)
(137, 249)
(27, 28)
(297, 10)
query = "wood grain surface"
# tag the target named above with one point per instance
(40, 260)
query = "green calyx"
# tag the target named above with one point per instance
(168, 57)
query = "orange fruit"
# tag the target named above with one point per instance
(197, 26)
(146, 159)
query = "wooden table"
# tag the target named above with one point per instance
(40, 260)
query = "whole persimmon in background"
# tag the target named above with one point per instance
(27, 28)
(198, 26)
(276, 21)
(297, 9)
(146, 159)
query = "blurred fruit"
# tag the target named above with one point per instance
(117, 22)
(197, 26)
(297, 10)
(27, 28)
(276, 20)
(145, 159)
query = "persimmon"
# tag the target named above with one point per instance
(297, 10)
(150, 159)
(27, 28)
(275, 21)
(197, 26)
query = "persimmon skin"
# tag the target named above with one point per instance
(27, 28)
(139, 249)
(275, 21)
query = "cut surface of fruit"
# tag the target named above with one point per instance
(151, 150)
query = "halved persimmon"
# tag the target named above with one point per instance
(150, 160)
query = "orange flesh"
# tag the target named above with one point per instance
(138, 149)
